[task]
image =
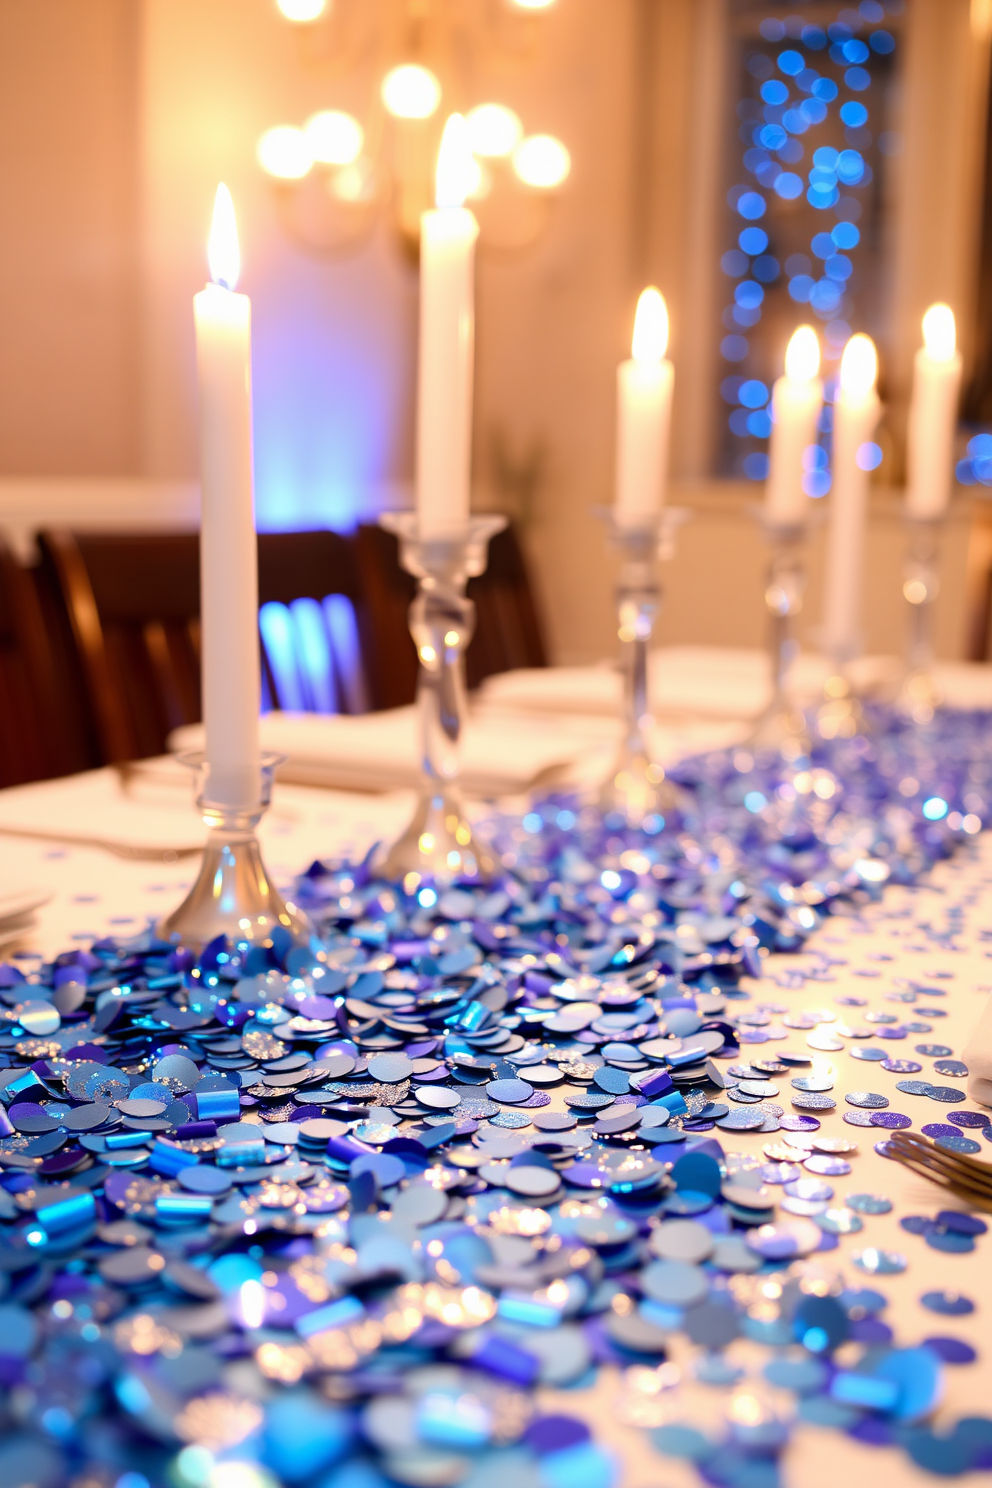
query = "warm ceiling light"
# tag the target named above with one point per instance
(532, 4)
(940, 333)
(650, 339)
(859, 366)
(302, 11)
(411, 92)
(542, 161)
(455, 165)
(493, 130)
(802, 355)
(334, 138)
(223, 250)
(284, 152)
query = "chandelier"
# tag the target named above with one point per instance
(402, 66)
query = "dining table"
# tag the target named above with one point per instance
(898, 975)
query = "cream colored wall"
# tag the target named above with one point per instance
(68, 224)
(125, 113)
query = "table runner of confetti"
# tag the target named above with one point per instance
(561, 1178)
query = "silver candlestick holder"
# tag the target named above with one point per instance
(920, 693)
(233, 894)
(439, 844)
(782, 726)
(637, 786)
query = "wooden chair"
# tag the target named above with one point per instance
(507, 630)
(126, 611)
(35, 737)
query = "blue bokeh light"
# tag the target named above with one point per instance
(845, 235)
(751, 206)
(791, 62)
(883, 42)
(734, 263)
(788, 185)
(765, 269)
(733, 348)
(826, 89)
(774, 91)
(823, 244)
(869, 456)
(749, 294)
(800, 286)
(814, 37)
(850, 167)
(857, 79)
(753, 393)
(753, 240)
(853, 114)
(755, 465)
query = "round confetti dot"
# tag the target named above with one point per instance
(951, 1350)
(948, 1304)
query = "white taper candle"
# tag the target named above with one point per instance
(228, 553)
(856, 414)
(797, 398)
(644, 413)
(447, 342)
(933, 414)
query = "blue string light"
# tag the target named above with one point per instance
(812, 75)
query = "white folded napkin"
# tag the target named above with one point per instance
(501, 755)
(712, 682)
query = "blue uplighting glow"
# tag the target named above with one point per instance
(332, 355)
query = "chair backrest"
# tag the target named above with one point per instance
(508, 633)
(35, 743)
(130, 608)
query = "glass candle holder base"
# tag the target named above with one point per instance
(781, 728)
(920, 693)
(840, 714)
(637, 789)
(233, 894)
(920, 696)
(438, 846)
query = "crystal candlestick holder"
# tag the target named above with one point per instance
(233, 894)
(920, 693)
(782, 727)
(439, 844)
(637, 787)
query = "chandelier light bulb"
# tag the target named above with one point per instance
(284, 152)
(802, 355)
(302, 11)
(542, 161)
(859, 366)
(334, 138)
(940, 333)
(223, 250)
(650, 339)
(411, 92)
(456, 168)
(494, 130)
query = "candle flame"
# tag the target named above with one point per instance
(650, 339)
(455, 164)
(223, 252)
(859, 366)
(802, 355)
(940, 333)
